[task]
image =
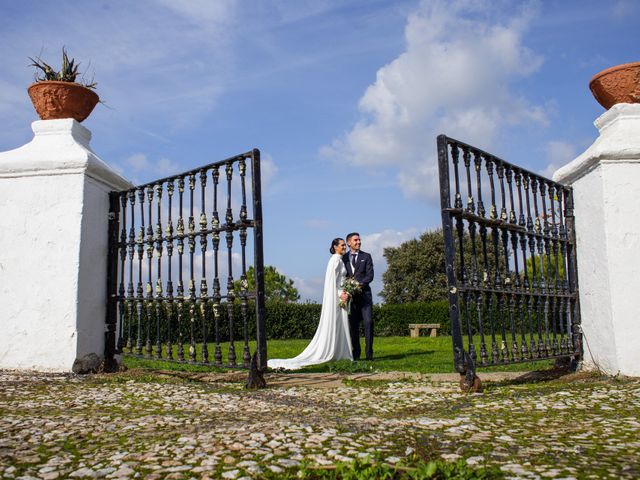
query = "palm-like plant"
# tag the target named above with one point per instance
(68, 72)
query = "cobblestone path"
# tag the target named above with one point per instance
(138, 425)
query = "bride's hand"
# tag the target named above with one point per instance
(344, 296)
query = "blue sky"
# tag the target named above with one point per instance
(344, 98)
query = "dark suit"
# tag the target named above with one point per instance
(361, 304)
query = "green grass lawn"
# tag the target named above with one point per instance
(405, 354)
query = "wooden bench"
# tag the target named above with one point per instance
(414, 329)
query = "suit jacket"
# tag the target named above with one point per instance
(363, 272)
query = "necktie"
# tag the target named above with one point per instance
(353, 260)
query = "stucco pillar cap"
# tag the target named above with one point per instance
(619, 141)
(59, 147)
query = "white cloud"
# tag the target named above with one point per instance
(559, 153)
(623, 9)
(139, 164)
(268, 170)
(138, 161)
(309, 288)
(375, 243)
(453, 77)
(202, 12)
(164, 166)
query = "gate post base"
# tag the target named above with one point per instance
(470, 383)
(255, 379)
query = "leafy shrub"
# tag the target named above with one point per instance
(366, 470)
(392, 320)
(283, 320)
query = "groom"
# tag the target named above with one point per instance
(360, 266)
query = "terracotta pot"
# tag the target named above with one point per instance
(53, 100)
(619, 84)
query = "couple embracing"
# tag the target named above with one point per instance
(346, 303)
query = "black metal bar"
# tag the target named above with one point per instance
(449, 253)
(140, 289)
(122, 315)
(112, 283)
(231, 356)
(525, 318)
(149, 242)
(159, 249)
(131, 252)
(261, 333)
(169, 297)
(215, 239)
(180, 289)
(574, 310)
(191, 241)
(203, 279)
(244, 284)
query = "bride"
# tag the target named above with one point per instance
(331, 340)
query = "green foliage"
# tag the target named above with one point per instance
(283, 320)
(548, 268)
(415, 270)
(368, 470)
(292, 320)
(276, 285)
(300, 320)
(68, 71)
(394, 319)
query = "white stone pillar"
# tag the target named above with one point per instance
(606, 186)
(53, 248)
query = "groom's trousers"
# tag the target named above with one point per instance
(361, 313)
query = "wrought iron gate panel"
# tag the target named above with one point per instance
(172, 243)
(510, 260)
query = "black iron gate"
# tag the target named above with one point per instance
(217, 299)
(511, 266)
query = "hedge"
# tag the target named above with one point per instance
(287, 320)
(393, 319)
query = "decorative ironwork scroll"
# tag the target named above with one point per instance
(510, 260)
(168, 298)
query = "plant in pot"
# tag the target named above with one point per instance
(57, 95)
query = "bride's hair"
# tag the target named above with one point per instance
(334, 243)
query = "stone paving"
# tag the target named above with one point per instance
(139, 425)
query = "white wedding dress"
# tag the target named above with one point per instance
(331, 340)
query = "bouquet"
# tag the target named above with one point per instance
(351, 287)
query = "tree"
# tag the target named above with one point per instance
(415, 270)
(276, 285)
(550, 275)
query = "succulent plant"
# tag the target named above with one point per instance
(68, 72)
